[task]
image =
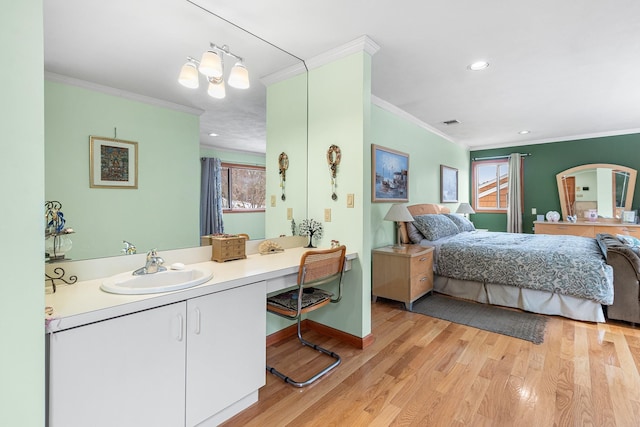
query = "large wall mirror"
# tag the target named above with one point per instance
(604, 187)
(111, 70)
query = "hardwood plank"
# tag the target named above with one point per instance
(426, 371)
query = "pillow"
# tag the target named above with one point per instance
(463, 223)
(629, 240)
(414, 235)
(435, 226)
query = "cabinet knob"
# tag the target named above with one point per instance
(424, 279)
(424, 258)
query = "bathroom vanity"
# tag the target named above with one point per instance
(190, 357)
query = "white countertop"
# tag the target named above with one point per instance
(84, 302)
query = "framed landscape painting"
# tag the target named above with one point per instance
(448, 184)
(390, 175)
(113, 163)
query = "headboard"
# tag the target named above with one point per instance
(421, 209)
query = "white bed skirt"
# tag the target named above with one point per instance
(525, 299)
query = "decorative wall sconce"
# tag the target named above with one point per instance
(212, 66)
(283, 165)
(333, 159)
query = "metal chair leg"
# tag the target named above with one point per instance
(315, 377)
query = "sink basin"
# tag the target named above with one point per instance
(164, 281)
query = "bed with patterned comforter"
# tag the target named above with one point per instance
(565, 265)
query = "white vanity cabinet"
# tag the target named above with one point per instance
(174, 365)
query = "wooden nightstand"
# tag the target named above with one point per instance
(402, 274)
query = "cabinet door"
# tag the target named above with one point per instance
(226, 349)
(127, 371)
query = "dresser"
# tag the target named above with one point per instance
(586, 228)
(402, 274)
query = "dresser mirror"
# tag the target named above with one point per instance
(606, 188)
(147, 67)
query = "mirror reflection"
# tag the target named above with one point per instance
(604, 188)
(111, 70)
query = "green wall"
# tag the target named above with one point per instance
(22, 358)
(546, 160)
(163, 212)
(286, 132)
(251, 223)
(427, 151)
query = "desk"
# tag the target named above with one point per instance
(189, 357)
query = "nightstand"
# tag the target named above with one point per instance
(402, 274)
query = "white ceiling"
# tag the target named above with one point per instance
(560, 69)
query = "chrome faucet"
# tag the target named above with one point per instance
(153, 264)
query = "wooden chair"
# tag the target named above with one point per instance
(316, 268)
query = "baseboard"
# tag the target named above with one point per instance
(310, 325)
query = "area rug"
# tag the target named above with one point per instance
(518, 324)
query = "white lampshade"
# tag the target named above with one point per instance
(216, 88)
(211, 64)
(239, 76)
(189, 76)
(465, 208)
(398, 212)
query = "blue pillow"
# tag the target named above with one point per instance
(629, 240)
(435, 226)
(463, 223)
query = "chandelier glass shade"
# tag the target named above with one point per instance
(211, 65)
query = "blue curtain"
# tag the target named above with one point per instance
(211, 197)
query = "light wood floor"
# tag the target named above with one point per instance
(429, 372)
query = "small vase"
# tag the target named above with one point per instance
(310, 245)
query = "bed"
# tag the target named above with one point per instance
(555, 275)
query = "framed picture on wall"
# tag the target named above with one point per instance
(113, 163)
(390, 175)
(448, 184)
(629, 216)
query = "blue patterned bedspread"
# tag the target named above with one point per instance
(567, 265)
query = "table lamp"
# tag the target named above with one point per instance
(465, 209)
(398, 213)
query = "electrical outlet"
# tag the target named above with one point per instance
(350, 202)
(534, 211)
(327, 215)
(273, 200)
(289, 214)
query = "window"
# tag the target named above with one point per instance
(243, 188)
(491, 185)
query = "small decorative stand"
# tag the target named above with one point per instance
(311, 228)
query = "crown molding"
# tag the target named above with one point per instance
(558, 139)
(412, 119)
(361, 44)
(59, 78)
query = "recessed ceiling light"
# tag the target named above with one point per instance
(524, 132)
(478, 65)
(213, 134)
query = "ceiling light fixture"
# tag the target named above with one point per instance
(524, 132)
(478, 65)
(211, 64)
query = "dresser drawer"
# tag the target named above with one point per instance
(565, 229)
(619, 229)
(421, 264)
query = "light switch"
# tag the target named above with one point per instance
(273, 200)
(327, 215)
(289, 214)
(350, 200)
(534, 211)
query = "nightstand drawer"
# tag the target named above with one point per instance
(420, 285)
(421, 264)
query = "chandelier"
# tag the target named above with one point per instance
(211, 65)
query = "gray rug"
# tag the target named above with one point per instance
(518, 324)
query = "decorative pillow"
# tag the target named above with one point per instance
(414, 235)
(463, 223)
(629, 240)
(435, 226)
